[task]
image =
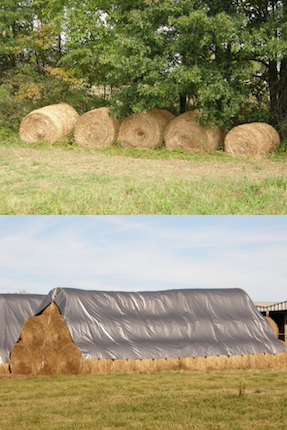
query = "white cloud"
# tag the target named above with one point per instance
(119, 253)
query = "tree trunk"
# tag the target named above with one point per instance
(182, 103)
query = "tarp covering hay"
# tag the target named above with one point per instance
(142, 131)
(256, 140)
(14, 311)
(164, 324)
(45, 346)
(97, 129)
(49, 123)
(187, 134)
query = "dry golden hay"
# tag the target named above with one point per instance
(21, 360)
(97, 129)
(163, 116)
(52, 309)
(4, 369)
(49, 123)
(69, 360)
(57, 331)
(274, 326)
(46, 346)
(256, 140)
(185, 133)
(141, 131)
(33, 331)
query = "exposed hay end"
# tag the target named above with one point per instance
(186, 134)
(255, 140)
(274, 326)
(97, 129)
(49, 123)
(141, 131)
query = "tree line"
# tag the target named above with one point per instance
(227, 58)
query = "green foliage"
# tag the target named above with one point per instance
(25, 88)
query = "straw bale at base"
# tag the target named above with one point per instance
(274, 326)
(142, 130)
(280, 360)
(97, 129)
(256, 140)
(49, 123)
(217, 362)
(185, 133)
(4, 369)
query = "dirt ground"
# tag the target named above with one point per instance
(71, 162)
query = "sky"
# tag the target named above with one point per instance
(144, 253)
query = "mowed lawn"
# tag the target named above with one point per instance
(239, 400)
(70, 180)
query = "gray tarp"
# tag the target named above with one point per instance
(175, 323)
(15, 309)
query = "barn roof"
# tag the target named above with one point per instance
(174, 323)
(15, 309)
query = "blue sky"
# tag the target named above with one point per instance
(140, 253)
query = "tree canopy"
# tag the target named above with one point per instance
(225, 58)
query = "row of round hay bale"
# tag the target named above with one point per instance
(45, 346)
(186, 133)
(49, 123)
(145, 130)
(97, 129)
(255, 140)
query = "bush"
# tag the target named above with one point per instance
(25, 88)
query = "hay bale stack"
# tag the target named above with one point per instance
(97, 129)
(185, 133)
(274, 326)
(256, 140)
(49, 123)
(142, 131)
(46, 346)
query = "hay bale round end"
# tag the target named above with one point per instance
(97, 129)
(255, 140)
(49, 123)
(186, 134)
(141, 131)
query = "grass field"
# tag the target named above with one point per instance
(67, 179)
(238, 400)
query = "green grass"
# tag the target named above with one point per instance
(237, 400)
(67, 179)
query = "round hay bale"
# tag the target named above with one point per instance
(274, 326)
(97, 129)
(256, 140)
(33, 332)
(49, 123)
(141, 131)
(69, 360)
(163, 116)
(185, 133)
(21, 360)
